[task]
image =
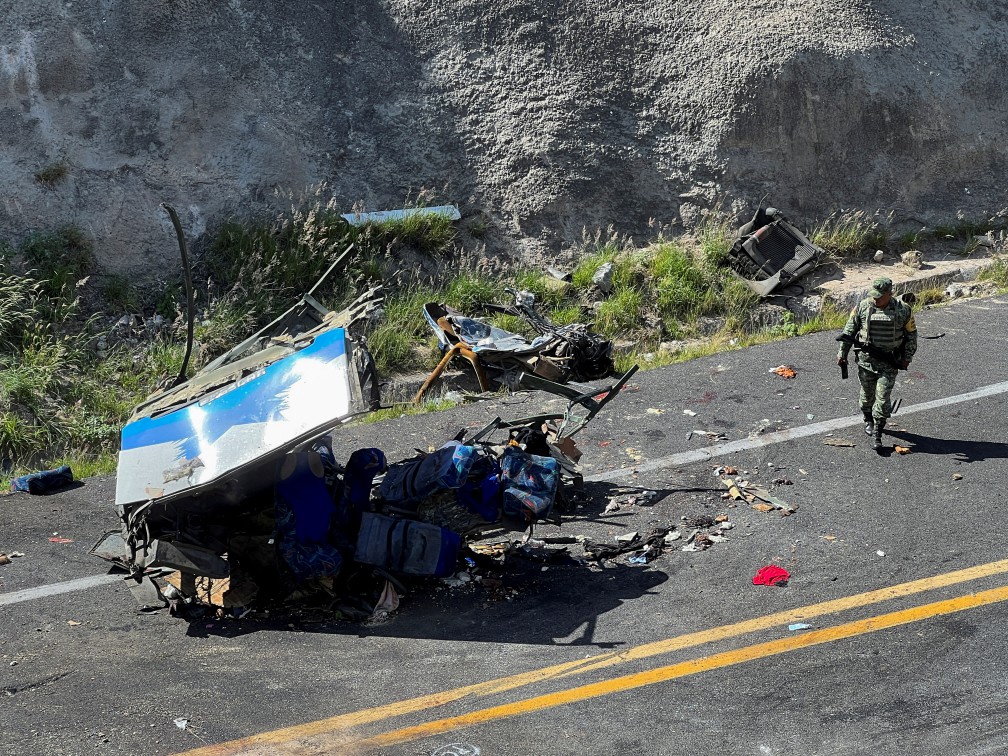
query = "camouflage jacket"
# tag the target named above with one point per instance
(905, 327)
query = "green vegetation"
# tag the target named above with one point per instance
(60, 399)
(403, 410)
(929, 297)
(850, 235)
(997, 272)
(962, 230)
(59, 259)
(120, 293)
(52, 174)
(67, 384)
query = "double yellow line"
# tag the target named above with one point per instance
(271, 742)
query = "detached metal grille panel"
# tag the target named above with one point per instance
(784, 252)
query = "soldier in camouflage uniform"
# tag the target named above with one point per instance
(882, 330)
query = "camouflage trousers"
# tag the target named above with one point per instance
(877, 383)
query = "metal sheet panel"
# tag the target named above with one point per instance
(268, 411)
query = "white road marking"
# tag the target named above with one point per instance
(789, 434)
(674, 460)
(54, 589)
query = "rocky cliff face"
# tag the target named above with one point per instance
(546, 116)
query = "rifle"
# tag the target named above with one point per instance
(890, 358)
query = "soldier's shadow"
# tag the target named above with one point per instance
(962, 450)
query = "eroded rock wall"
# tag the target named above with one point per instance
(550, 117)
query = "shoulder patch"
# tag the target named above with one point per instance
(910, 325)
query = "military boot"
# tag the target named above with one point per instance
(878, 434)
(869, 423)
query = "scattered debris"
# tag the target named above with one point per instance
(4, 559)
(957, 476)
(558, 353)
(637, 498)
(44, 481)
(878, 256)
(934, 336)
(901, 449)
(648, 547)
(699, 521)
(770, 252)
(57, 539)
(837, 442)
(759, 498)
(691, 413)
(181, 722)
(799, 626)
(785, 371)
(912, 258)
(880, 553)
(655, 411)
(272, 514)
(771, 574)
(389, 599)
(73, 623)
(711, 435)
(558, 274)
(451, 212)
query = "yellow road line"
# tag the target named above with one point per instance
(688, 640)
(683, 669)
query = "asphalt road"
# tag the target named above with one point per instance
(895, 561)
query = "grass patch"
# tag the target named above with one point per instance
(60, 258)
(997, 272)
(58, 394)
(850, 235)
(715, 238)
(432, 234)
(60, 401)
(406, 410)
(52, 174)
(264, 266)
(395, 339)
(831, 317)
(929, 297)
(120, 293)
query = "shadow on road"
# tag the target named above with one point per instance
(963, 451)
(550, 595)
(558, 605)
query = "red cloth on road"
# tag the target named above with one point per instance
(771, 574)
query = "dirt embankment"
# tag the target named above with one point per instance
(547, 117)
